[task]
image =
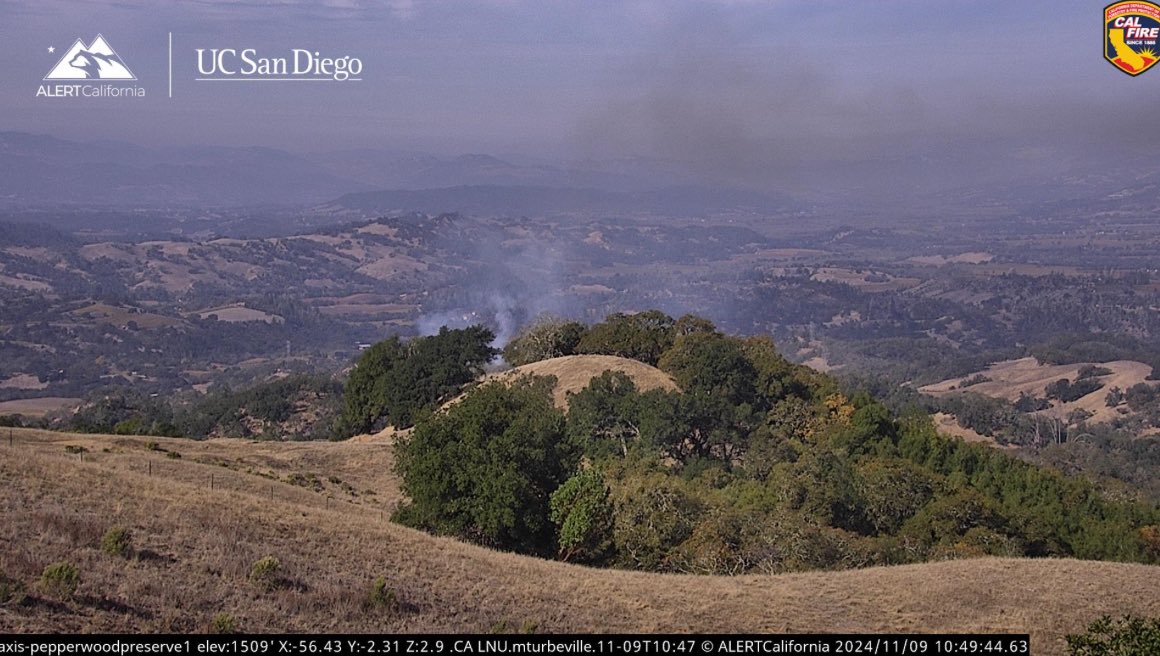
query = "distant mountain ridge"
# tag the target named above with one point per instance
(404, 170)
(38, 170)
(534, 200)
(44, 171)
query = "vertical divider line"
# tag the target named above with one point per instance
(171, 64)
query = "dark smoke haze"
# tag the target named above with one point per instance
(813, 97)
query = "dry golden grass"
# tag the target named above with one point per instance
(948, 425)
(39, 406)
(23, 381)
(25, 283)
(193, 549)
(574, 372)
(239, 314)
(1010, 378)
(119, 316)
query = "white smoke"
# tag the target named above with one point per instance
(514, 285)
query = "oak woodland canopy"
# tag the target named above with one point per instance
(754, 465)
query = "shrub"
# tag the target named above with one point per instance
(653, 516)
(117, 541)
(132, 426)
(583, 513)
(264, 572)
(152, 446)
(974, 380)
(308, 481)
(223, 624)
(1140, 396)
(1127, 636)
(380, 596)
(1031, 403)
(60, 578)
(1066, 391)
(173, 455)
(1092, 371)
(1150, 537)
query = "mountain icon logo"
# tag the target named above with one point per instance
(97, 61)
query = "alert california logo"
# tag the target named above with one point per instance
(90, 71)
(1131, 32)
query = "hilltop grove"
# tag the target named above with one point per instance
(754, 465)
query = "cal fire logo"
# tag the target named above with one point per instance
(97, 61)
(1131, 32)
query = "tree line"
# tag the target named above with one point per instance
(755, 465)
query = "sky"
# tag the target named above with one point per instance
(742, 90)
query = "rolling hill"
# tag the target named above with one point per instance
(1027, 376)
(320, 507)
(574, 372)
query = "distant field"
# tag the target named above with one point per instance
(948, 425)
(194, 547)
(239, 314)
(821, 364)
(1010, 378)
(865, 281)
(975, 257)
(120, 317)
(25, 283)
(23, 381)
(37, 407)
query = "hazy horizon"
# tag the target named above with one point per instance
(761, 95)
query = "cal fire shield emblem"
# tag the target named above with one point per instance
(1131, 30)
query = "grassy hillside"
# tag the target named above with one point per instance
(574, 372)
(1027, 376)
(193, 548)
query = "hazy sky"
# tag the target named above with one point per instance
(732, 84)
